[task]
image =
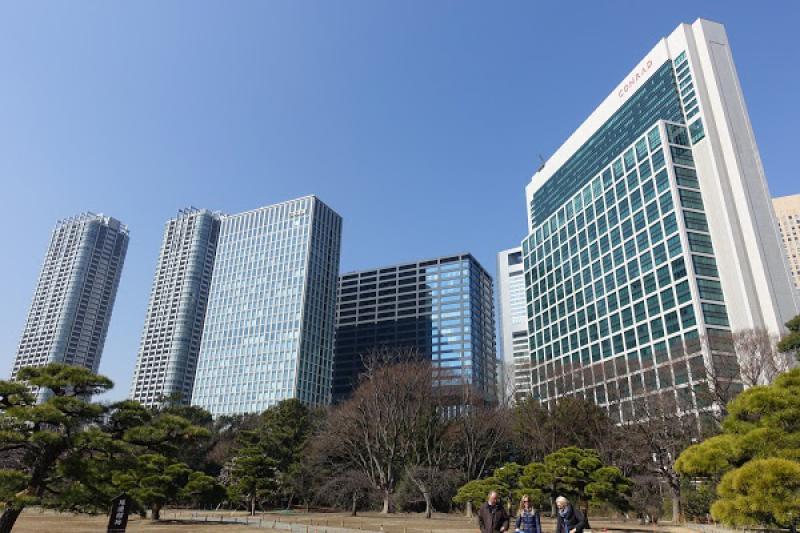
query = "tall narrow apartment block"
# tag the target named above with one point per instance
(173, 327)
(513, 325)
(71, 310)
(787, 210)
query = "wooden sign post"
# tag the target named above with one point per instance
(118, 519)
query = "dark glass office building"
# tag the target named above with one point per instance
(443, 308)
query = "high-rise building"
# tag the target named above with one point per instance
(787, 209)
(173, 327)
(269, 327)
(68, 319)
(441, 308)
(513, 324)
(651, 231)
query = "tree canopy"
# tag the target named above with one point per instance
(71, 453)
(268, 460)
(577, 473)
(758, 452)
(790, 343)
(40, 434)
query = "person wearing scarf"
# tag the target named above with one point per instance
(569, 520)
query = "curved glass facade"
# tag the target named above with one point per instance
(71, 309)
(167, 360)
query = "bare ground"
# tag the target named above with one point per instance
(181, 521)
(415, 523)
(31, 521)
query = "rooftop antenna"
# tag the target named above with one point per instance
(543, 163)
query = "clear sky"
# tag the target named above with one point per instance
(420, 122)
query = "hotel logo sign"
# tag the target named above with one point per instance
(639, 75)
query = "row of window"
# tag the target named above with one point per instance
(562, 323)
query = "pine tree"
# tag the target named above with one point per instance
(790, 343)
(40, 434)
(756, 459)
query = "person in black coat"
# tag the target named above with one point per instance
(492, 517)
(569, 519)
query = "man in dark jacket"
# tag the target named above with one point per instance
(569, 519)
(492, 517)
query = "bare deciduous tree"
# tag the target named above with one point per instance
(646, 498)
(746, 358)
(345, 488)
(664, 427)
(540, 430)
(722, 373)
(371, 432)
(480, 431)
(427, 445)
(511, 393)
(760, 362)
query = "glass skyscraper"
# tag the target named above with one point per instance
(652, 238)
(173, 327)
(442, 308)
(513, 324)
(71, 310)
(269, 327)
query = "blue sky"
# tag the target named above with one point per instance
(420, 122)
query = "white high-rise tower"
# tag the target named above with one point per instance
(513, 323)
(173, 327)
(71, 310)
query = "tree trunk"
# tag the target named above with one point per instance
(428, 505)
(422, 486)
(387, 504)
(468, 511)
(677, 511)
(155, 512)
(8, 518)
(354, 508)
(253, 505)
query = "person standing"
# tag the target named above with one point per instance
(527, 517)
(492, 517)
(569, 519)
